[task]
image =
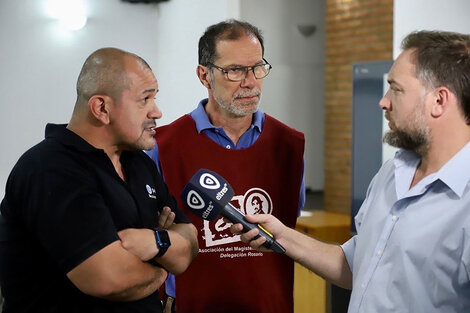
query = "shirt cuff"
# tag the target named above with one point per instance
(349, 247)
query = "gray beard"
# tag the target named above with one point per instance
(229, 107)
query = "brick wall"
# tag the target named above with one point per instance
(356, 30)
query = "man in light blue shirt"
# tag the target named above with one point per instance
(412, 248)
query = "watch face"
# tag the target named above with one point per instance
(163, 240)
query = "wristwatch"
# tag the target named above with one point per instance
(163, 241)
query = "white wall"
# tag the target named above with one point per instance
(451, 15)
(39, 63)
(294, 90)
(182, 23)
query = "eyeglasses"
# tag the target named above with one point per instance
(237, 74)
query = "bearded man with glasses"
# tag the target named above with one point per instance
(260, 157)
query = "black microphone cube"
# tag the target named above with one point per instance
(206, 194)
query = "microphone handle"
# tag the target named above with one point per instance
(235, 216)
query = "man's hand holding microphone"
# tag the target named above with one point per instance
(266, 221)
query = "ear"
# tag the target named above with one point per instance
(99, 107)
(203, 74)
(441, 97)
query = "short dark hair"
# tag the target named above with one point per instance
(227, 30)
(443, 59)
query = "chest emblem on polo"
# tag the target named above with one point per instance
(151, 192)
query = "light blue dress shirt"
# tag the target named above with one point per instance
(412, 248)
(218, 135)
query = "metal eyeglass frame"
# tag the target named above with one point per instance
(245, 68)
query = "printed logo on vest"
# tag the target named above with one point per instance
(257, 201)
(151, 192)
(254, 201)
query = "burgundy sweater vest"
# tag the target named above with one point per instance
(227, 275)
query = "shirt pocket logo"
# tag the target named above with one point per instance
(151, 192)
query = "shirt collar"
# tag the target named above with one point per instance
(455, 173)
(405, 163)
(201, 119)
(65, 136)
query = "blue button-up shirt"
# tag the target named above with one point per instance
(412, 248)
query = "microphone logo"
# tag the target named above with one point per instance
(194, 200)
(209, 181)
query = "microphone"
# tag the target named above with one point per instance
(208, 195)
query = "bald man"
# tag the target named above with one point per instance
(87, 223)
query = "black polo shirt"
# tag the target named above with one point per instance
(64, 202)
